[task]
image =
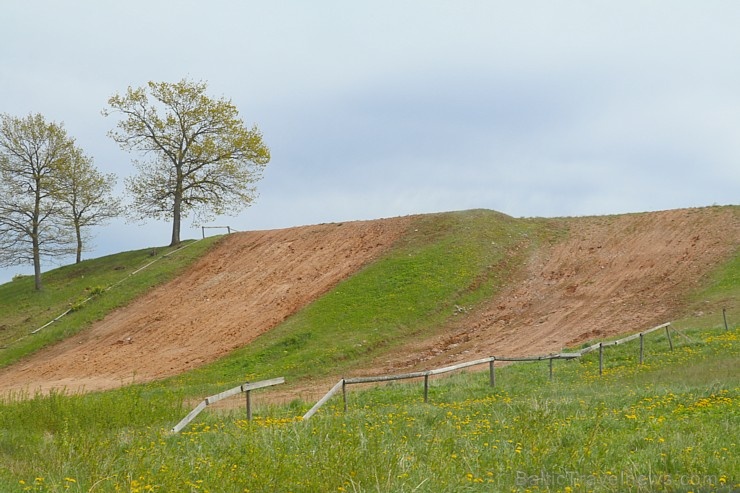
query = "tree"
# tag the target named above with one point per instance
(203, 160)
(88, 196)
(31, 153)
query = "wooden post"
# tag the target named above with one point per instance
(323, 400)
(668, 334)
(551, 369)
(724, 317)
(601, 358)
(203, 230)
(492, 372)
(344, 394)
(642, 347)
(426, 388)
(228, 229)
(249, 405)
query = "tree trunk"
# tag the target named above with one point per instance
(176, 211)
(35, 239)
(176, 227)
(79, 242)
(36, 261)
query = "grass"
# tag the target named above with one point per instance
(23, 310)
(668, 425)
(449, 262)
(719, 292)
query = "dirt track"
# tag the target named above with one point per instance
(611, 275)
(247, 285)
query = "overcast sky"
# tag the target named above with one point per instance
(388, 108)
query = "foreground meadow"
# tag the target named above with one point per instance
(667, 425)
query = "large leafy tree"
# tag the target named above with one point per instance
(88, 195)
(32, 152)
(202, 159)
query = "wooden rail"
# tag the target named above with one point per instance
(247, 387)
(228, 229)
(491, 362)
(323, 400)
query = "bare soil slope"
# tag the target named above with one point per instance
(611, 275)
(247, 285)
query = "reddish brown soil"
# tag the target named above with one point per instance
(244, 287)
(610, 275)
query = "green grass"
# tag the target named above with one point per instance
(448, 262)
(655, 427)
(23, 310)
(720, 292)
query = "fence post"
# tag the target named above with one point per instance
(724, 317)
(667, 333)
(249, 405)
(551, 369)
(492, 372)
(426, 388)
(344, 394)
(228, 229)
(642, 347)
(601, 358)
(203, 230)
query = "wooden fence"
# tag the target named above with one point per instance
(227, 228)
(491, 361)
(247, 387)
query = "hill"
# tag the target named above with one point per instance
(514, 285)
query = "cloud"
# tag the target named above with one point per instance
(533, 108)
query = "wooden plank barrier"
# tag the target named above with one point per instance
(491, 361)
(323, 400)
(641, 335)
(247, 387)
(342, 384)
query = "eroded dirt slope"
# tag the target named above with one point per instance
(609, 275)
(248, 284)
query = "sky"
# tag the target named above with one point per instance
(389, 108)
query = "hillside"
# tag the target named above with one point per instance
(587, 278)
(609, 275)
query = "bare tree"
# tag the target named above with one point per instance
(31, 225)
(204, 160)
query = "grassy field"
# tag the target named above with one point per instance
(667, 425)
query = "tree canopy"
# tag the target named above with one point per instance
(200, 156)
(32, 153)
(88, 195)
